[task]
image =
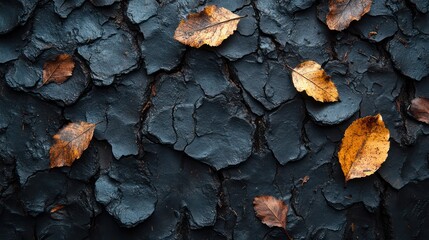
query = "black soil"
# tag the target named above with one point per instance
(188, 137)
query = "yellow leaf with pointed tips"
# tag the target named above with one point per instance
(58, 70)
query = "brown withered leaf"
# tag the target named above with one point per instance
(364, 147)
(59, 69)
(343, 12)
(70, 142)
(419, 109)
(210, 26)
(56, 208)
(271, 211)
(309, 76)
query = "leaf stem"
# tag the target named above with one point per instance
(218, 23)
(287, 234)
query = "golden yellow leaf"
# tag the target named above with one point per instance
(364, 147)
(343, 12)
(70, 142)
(271, 211)
(210, 26)
(59, 69)
(311, 78)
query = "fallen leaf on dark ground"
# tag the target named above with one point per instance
(58, 70)
(309, 76)
(271, 211)
(70, 142)
(343, 12)
(210, 26)
(364, 147)
(419, 109)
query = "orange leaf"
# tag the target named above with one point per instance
(271, 211)
(343, 12)
(59, 69)
(311, 78)
(419, 109)
(70, 142)
(364, 147)
(210, 26)
(56, 208)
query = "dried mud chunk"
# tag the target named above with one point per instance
(101, 3)
(126, 192)
(335, 113)
(364, 191)
(284, 132)
(110, 57)
(174, 97)
(141, 10)
(194, 196)
(207, 70)
(402, 162)
(65, 7)
(273, 21)
(422, 5)
(213, 119)
(230, 5)
(42, 190)
(407, 210)
(159, 49)
(13, 13)
(376, 28)
(10, 46)
(267, 82)
(411, 56)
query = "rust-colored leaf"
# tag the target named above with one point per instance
(419, 109)
(56, 208)
(364, 147)
(271, 211)
(70, 142)
(311, 78)
(59, 69)
(343, 12)
(210, 26)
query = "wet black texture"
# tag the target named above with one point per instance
(186, 138)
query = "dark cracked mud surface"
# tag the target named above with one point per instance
(188, 137)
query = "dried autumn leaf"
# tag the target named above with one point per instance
(419, 109)
(311, 78)
(343, 12)
(70, 142)
(59, 69)
(210, 26)
(364, 147)
(271, 211)
(56, 208)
